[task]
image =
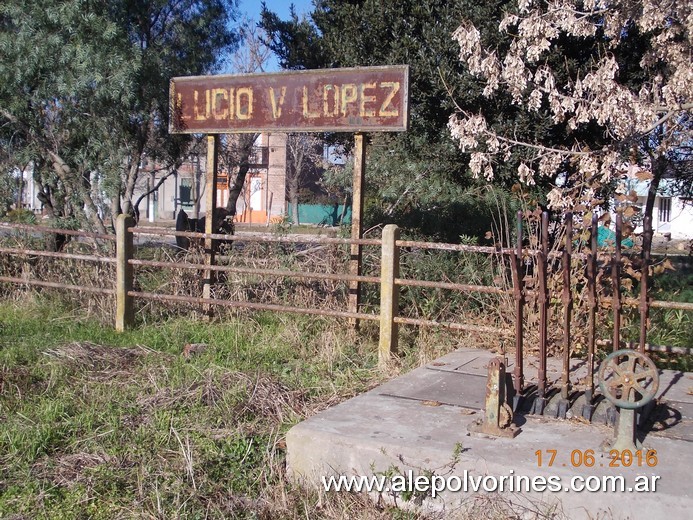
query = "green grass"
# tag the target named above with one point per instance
(100, 425)
(95, 424)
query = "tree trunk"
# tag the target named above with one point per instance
(294, 210)
(236, 188)
(131, 182)
(64, 172)
(245, 147)
(344, 209)
(659, 167)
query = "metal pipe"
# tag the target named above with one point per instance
(453, 286)
(644, 281)
(567, 304)
(255, 237)
(41, 229)
(252, 305)
(665, 349)
(543, 304)
(616, 283)
(56, 285)
(661, 304)
(516, 269)
(261, 272)
(453, 326)
(454, 247)
(51, 254)
(592, 302)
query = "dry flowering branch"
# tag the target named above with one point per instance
(628, 117)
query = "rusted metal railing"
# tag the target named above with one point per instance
(59, 231)
(60, 255)
(540, 262)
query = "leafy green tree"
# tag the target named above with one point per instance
(84, 85)
(418, 178)
(422, 175)
(628, 104)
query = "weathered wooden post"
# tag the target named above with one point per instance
(356, 257)
(210, 209)
(125, 309)
(389, 294)
(359, 100)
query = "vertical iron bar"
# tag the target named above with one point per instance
(543, 303)
(644, 281)
(616, 283)
(567, 304)
(516, 267)
(592, 300)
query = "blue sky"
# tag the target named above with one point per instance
(281, 7)
(251, 9)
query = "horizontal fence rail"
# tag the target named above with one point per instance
(57, 285)
(261, 272)
(252, 305)
(452, 286)
(390, 282)
(51, 254)
(59, 231)
(256, 238)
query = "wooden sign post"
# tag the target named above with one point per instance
(362, 99)
(210, 209)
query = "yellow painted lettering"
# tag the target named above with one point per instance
(366, 99)
(384, 110)
(232, 103)
(179, 107)
(306, 109)
(247, 93)
(349, 95)
(277, 106)
(200, 116)
(326, 101)
(219, 96)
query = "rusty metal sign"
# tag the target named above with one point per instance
(367, 99)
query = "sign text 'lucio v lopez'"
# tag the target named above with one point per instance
(368, 99)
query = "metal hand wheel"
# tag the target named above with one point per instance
(628, 379)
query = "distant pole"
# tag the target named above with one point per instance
(150, 198)
(357, 224)
(210, 207)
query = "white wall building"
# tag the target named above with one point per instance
(263, 197)
(672, 216)
(27, 188)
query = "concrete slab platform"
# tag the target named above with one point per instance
(417, 424)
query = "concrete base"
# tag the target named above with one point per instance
(419, 423)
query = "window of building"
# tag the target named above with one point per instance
(185, 191)
(665, 209)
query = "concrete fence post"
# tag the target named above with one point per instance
(125, 310)
(389, 294)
